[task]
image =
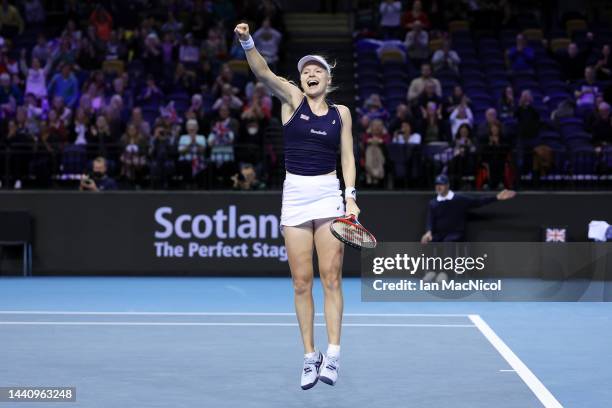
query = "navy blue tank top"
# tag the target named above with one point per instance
(311, 141)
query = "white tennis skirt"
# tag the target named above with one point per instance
(307, 198)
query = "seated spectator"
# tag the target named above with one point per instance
(260, 106)
(373, 142)
(402, 114)
(65, 85)
(151, 95)
(36, 82)
(134, 154)
(21, 143)
(457, 98)
(115, 49)
(93, 100)
(225, 77)
(247, 179)
(417, 86)
(405, 135)
(102, 139)
(162, 154)
(184, 80)
(461, 115)
(11, 22)
(506, 104)
(573, 61)
(445, 59)
(462, 160)
(221, 141)
(492, 159)
(144, 128)
(41, 49)
(603, 68)
(35, 114)
(80, 129)
(191, 148)
(484, 128)
(64, 113)
(151, 55)
(267, 40)
(372, 109)
(228, 98)
(433, 128)
(428, 95)
(587, 90)
(521, 56)
(601, 127)
(415, 14)
(189, 52)
(417, 44)
(390, 15)
(99, 179)
(10, 96)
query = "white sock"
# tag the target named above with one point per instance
(333, 350)
(311, 355)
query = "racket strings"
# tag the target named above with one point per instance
(354, 234)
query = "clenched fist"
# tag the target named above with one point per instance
(242, 30)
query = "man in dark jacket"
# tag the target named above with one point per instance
(447, 212)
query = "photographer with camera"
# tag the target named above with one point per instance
(98, 180)
(246, 179)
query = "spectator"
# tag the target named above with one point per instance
(184, 80)
(102, 139)
(462, 158)
(602, 127)
(151, 95)
(99, 179)
(405, 135)
(102, 21)
(225, 77)
(428, 95)
(521, 56)
(587, 90)
(189, 53)
(142, 125)
(11, 22)
(603, 68)
(417, 86)
(172, 25)
(34, 11)
(134, 154)
(191, 148)
(247, 179)
(457, 98)
(415, 14)
(492, 159)
(447, 212)
(267, 40)
(573, 61)
(65, 85)
(221, 139)
(506, 103)
(528, 125)
(402, 114)
(228, 98)
(433, 126)
(80, 129)
(10, 96)
(372, 109)
(373, 142)
(21, 144)
(41, 49)
(417, 44)
(461, 115)
(485, 127)
(152, 56)
(115, 49)
(260, 106)
(162, 155)
(445, 59)
(36, 83)
(390, 16)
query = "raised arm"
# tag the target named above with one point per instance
(280, 87)
(347, 158)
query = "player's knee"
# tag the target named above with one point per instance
(331, 282)
(302, 286)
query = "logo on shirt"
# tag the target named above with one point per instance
(318, 132)
(304, 117)
(334, 122)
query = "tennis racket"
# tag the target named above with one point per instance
(352, 233)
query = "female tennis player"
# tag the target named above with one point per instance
(313, 130)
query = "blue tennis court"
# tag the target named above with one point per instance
(228, 342)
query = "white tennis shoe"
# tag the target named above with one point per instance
(310, 372)
(329, 370)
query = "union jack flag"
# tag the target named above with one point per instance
(555, 235)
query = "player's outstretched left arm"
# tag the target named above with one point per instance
(347, 157)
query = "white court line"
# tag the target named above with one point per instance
(68, 323)
(536, 386)
(58, 313)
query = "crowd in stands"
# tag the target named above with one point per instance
(131, 94)
(480, 91)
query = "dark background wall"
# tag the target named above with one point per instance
(114, 233)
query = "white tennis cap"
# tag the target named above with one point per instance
(316, 58)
